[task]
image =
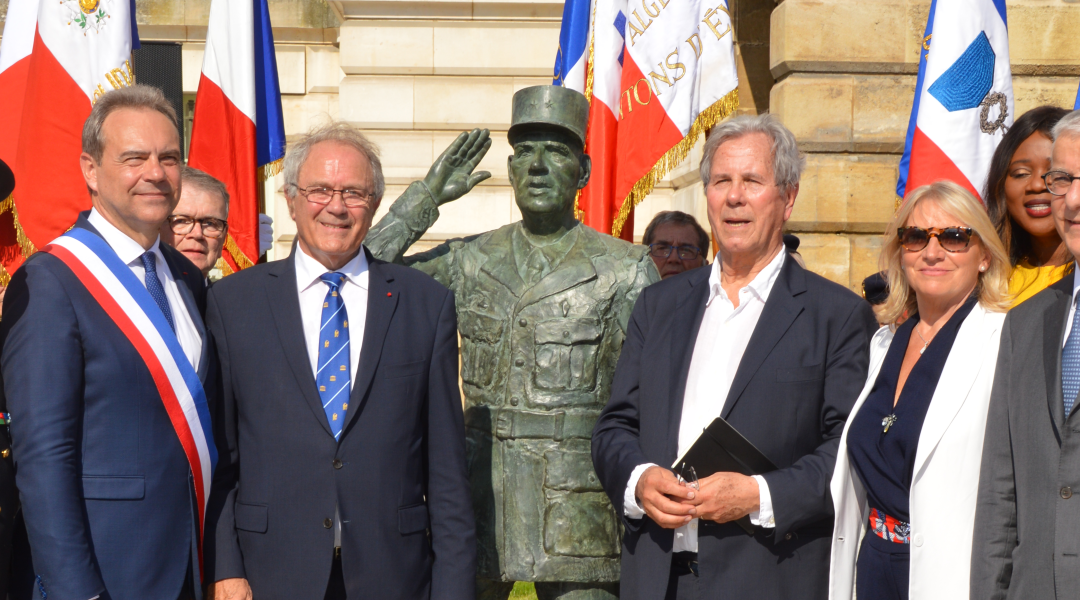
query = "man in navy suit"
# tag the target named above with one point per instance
(110, 503)
(343, 451)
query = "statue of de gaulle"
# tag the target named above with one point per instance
(542, 308)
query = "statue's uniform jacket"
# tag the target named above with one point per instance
(540, 337)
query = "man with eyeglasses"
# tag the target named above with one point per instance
(199, 224)
(676, 242)
(342, 465)
(1029, 485)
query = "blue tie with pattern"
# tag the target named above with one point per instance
(153, 285)
(1070, 365)
(333, 374)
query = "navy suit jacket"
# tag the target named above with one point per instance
(105, 485)
(801, 373)
(397, 475)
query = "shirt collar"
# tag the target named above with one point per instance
(761, 285)
(126, 248)
(309, 270)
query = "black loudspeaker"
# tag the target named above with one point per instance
(160, 64)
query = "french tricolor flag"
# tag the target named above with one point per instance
(963, 96)
(57, 57)
(658, 74)
(238, 134)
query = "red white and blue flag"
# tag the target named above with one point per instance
(238, 134)
(127, 302)
(963, 96)
(56, 59)
(657, 74)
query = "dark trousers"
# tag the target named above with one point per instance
(683, 582)
(335, 589)
(883, 569)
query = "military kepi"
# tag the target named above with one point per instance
(547, 106)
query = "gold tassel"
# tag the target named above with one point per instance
(238, 257)
(269, 170)
(25, 245)
(223, 266)
(708, 118)
(5, 277)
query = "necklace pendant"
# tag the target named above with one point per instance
(887, 422)
(923, 349)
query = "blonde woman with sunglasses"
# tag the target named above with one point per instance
(907, 472)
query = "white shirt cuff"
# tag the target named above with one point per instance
(631, 506)
(763, 516)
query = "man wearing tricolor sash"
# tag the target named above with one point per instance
(104, 356)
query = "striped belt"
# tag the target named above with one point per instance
(889, 528)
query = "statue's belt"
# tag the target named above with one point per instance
(515, 424)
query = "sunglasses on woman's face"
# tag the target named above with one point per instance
(952, 239)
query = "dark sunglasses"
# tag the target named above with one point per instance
(952, 239)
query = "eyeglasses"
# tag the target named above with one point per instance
(664, 251)
(211, 227)
(688, 476)
(1058, 182)
(952, 239)
(351, 198)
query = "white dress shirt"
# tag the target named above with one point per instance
(130, 252)
(1072, 305)
(312, 292)
(721, 341)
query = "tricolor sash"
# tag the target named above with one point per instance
(128, 303)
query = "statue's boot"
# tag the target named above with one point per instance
(487, 589)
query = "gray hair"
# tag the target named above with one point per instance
(787, 162)
(676, 217)
(332, 132)
(205, 182)
(1069, 125)
(141, 97)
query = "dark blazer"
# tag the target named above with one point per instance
(105, 485)
(1027, 518)
(397, 474)
(799, 377)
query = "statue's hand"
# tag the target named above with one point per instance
(451, 177)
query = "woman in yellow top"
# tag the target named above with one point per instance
(1019, 204)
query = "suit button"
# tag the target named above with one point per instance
(519, 362)
(328, 523)
(514, 401)
(522, 322)
(1066, 492)
(337, 463)
(787, 536)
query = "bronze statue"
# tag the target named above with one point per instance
(542, 307)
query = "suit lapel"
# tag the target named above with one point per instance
(285, 306)
(779, 313)
(1053, 339)
(382, 302)
(688, 314)
(959, 374)
(500, 263)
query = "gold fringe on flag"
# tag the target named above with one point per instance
(25, 245)
(5, 277)
(223, 266)
(238, 257)
(708, 118)
(579, 214)
(268, 170)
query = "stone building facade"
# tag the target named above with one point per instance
(414, 73)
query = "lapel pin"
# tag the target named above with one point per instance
(388, 294)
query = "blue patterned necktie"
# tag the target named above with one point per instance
(1070, 365)
(153, 285)
(333, 374)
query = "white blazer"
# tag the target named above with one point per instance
(946, 477)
